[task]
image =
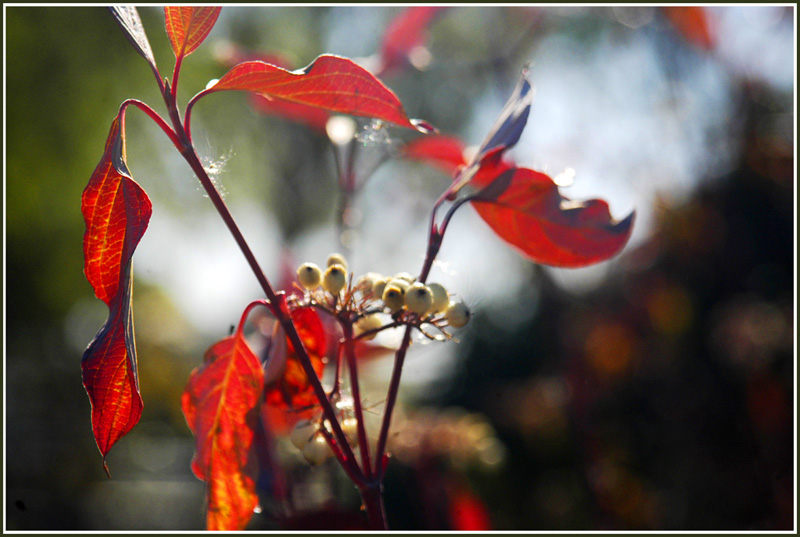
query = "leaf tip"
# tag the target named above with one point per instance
(423, 126)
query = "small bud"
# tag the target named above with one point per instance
(334, 279)
(393, 297)
(457, 314)
(440, 298)
(302, 433)
(365, 324)
(418, 298)
(309, 275)
(317, 450)
(336, 259)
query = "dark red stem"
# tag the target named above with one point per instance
(363, 443)
(391, 399)
(154, 116)
(277, 301)
(372, 496)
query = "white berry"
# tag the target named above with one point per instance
(440, 298)
(309, 275)
(457, 314)
(378, 286)
(418, 298)
(334, 279)
(336, 259)
(365, 324)
(317, 450)
(393, 297)
(302, 433)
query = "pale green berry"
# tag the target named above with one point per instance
(334, 279)
(378, 286)
(393, 297)
(440, 298)
(309, 275)
(317, 450)
(336, 259)
(365, 324)
(419, 298)
(405, 276)
(302, 433)
(457, 314)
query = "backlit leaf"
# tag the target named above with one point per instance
(405, 33)
(289, 396)
(188, 26)
(443, 152)
(116, 211)
(128, 19)
(312, 116)
(221, 405)
(693, 24)
(525, 208)
(315, 118)
(330, 82)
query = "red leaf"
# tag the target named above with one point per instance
(116, 211)
(330, 82)
(290, 397)
(693, 24)
(315, 118)
(526, 210)
(406, 32)
(521, 205)
(187, 27)
(311, 116)
(443, 152)
(221, 406)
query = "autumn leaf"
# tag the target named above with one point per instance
(693, 24)
(221, 405)
(188, 26)
(525, 208)
(444, 152)
(405, 33)
(329, 82)
(116, 211)
(289, 396)
(130, 22)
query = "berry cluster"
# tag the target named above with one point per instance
(406, 300)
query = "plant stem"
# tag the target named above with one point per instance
(372, 497)
(155, 117)
(391, 398)
(363, 443)
(278, 304)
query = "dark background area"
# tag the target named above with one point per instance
(659, 399)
